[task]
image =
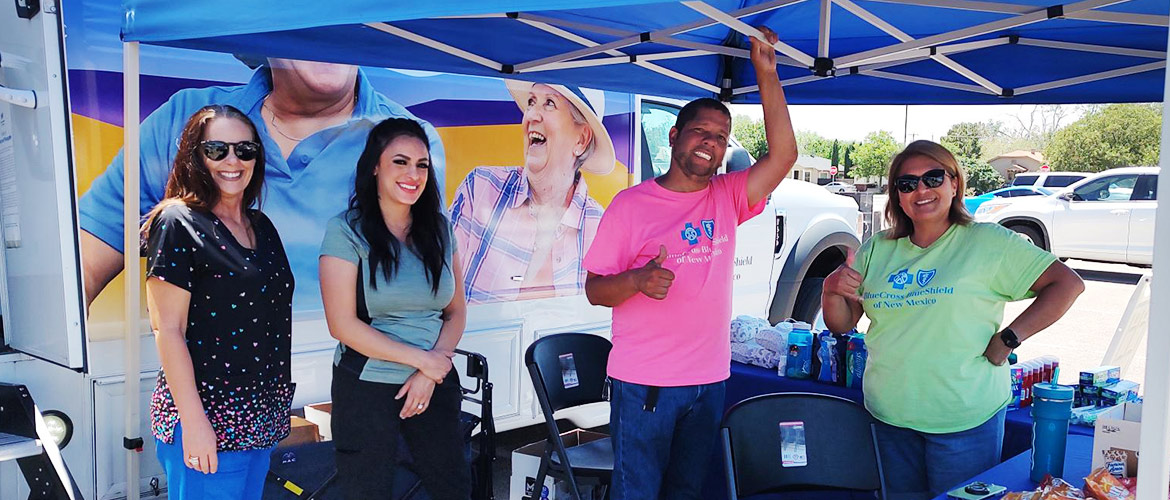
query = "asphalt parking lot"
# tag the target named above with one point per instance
(1081, 337)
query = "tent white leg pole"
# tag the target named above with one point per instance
(1154, 467)
(131, 271)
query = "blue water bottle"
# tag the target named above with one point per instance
(800, 343)
(1051, 409)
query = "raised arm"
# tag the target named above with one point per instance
(773, 167)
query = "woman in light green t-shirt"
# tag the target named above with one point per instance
(934, 287)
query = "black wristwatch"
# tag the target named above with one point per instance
(1009, 338)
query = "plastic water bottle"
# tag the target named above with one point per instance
(827, 354)
(857, 355)
(1051, 409)
(799, 351)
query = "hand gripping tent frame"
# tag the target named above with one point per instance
(830, 52)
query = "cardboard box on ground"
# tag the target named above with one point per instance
(526, 463)
(319, 413)
(1117, 437)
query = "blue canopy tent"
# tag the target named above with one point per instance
(831, 52)
(834, 51)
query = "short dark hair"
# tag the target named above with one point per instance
(688, 112)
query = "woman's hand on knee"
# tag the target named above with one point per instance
(417, 392)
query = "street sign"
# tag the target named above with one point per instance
(833, 170)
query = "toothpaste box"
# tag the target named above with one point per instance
(1118, 393)
(1100, 376)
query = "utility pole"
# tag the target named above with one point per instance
(906, 125)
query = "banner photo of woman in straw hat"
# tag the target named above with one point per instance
(523, 230)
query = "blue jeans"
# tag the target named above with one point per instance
(920, 465)
(663, 454)
(239, 476)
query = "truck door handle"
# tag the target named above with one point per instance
(25, 98)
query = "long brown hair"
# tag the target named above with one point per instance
(190, 182)
(900, 224)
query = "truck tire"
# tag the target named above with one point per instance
(808, 300)
(1030, 234)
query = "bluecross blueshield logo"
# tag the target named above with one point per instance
(925, 275)
(709, 228)
(690, 234)
(900, 279)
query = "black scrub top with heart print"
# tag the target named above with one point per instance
(239, 325)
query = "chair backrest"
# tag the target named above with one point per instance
(838, 438)
(568, 369)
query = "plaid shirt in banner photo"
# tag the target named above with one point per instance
(496, 234)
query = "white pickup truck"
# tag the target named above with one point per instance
(60, 126)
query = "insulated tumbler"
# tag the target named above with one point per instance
(1051, 409)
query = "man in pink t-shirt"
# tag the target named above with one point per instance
(663, 259)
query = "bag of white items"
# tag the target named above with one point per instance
(753, 354)
(744, 328)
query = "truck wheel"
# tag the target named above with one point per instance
(1030, 234)
(808, 300)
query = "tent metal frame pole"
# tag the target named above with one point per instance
(727, 51)
(437, 45)
(977, 30)
(1154, 468)
(619, 57)
(1121, 18)
(925, 53)
(823, 31)
(538, 64)
(745, 29)
(132, 272)
(1005, 8)
(951, 64)
(928, 81)
(1104, 75)
(1085, 47)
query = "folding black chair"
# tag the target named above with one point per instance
(314, 471)
(800, 441)
(568, 370)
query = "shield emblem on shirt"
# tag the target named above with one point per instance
(709, 228)
(925, 275)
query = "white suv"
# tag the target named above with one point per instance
(1051, 180)
(1108, 217)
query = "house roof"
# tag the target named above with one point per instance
(809, 161)
(1021, 153)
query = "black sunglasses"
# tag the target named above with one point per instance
(908, 183)
(218, 150)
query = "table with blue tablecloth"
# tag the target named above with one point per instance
(747, 381)
(1013, 473)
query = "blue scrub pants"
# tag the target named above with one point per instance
(240, 475)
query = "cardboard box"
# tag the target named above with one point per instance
(1117, 437)
(1115, 394)
(526, 463)
(318, 413)
(301, 431)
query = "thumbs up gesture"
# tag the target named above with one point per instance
(845, 281)
(652, 279)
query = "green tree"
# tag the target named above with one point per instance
(750, 133)
(981, 176)
(967, 138)
(835, 155)
(872, 157)
(813, 144)
(1116, 135)
(847, 163)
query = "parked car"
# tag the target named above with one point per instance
(840, 187)
(1051, 180)
(973, 202)
(1108, 217)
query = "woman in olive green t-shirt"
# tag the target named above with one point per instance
(934, 287)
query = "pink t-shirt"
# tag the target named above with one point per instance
(684, 338)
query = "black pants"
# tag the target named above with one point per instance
(367, 430)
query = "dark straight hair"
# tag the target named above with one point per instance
(429, 232)
(190, 182)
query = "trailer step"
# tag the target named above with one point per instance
(14, 447)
